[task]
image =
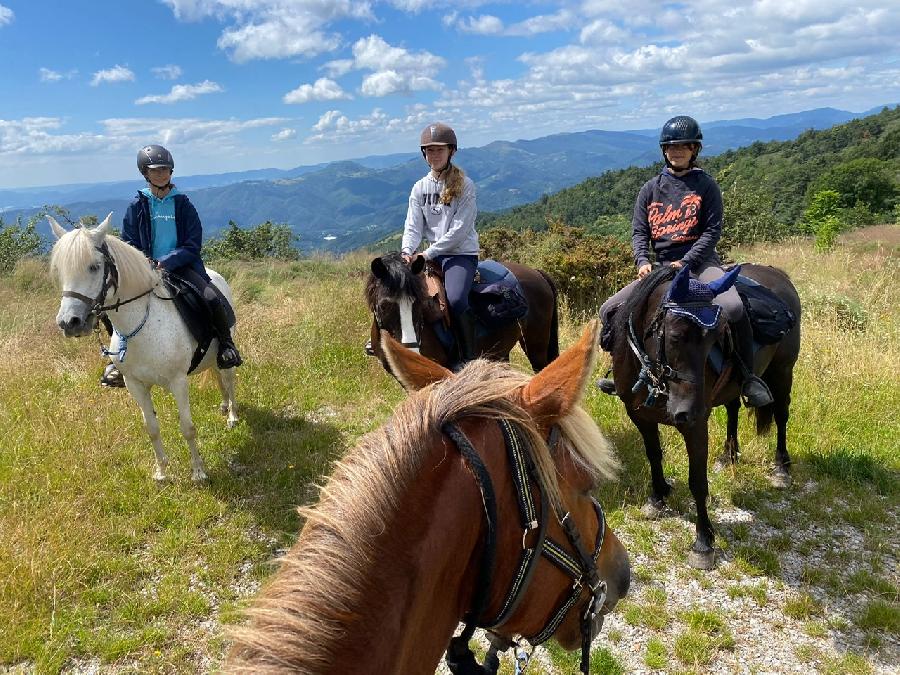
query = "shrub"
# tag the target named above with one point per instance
(17, 242)
(826, 230)
(824, 204)
(586, 268)
(266, 240)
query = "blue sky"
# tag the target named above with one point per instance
(230, 85)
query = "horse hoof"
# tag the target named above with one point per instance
(780, 478)
(160, 477)
(231, 424)
(199, 477)
(652, 511)
(702, 560)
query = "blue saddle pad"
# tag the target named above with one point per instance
(497, 297)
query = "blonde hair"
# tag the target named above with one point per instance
(453, 183)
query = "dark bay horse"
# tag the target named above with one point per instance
(397, 297)
(399, 548)
(656, 338)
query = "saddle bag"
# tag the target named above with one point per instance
(770, 317)
(497, 297)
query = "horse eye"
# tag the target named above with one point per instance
(94, 267)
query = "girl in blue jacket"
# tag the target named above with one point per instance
(164, 224)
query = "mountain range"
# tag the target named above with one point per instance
(343, 205)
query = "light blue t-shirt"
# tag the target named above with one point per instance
(163, 234)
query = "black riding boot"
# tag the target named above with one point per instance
(464, 332)
(754, 391)
(228, 356)
(607, 340)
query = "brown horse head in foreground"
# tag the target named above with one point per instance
(399, 550)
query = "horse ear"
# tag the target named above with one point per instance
(55, 227)
(418, 264)
(379, 269)
(680, 287)
(103, 228)
(723, 283)
(554, 391)
(412, 370)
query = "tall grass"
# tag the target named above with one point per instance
(98, 565)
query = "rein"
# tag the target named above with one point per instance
(582, 568)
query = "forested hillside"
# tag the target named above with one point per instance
(774, 181)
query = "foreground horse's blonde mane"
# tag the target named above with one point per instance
(77, 248)
(306, 605)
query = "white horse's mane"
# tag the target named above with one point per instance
(77, 249)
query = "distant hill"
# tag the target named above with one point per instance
(779, 173)
(344, 205)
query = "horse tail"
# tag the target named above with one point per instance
(553, 342)
(764, 417)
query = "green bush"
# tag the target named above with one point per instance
(824, 204)
(586, 268)
(266, 240)
(17, 242)
(826, 230)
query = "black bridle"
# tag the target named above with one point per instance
(582, 567)
(110, 282)
(656, 373)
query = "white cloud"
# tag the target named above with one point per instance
(334, 125)
(6, 15)
(182, 92)
(274, 29)
(322, 90)
(48, 75)
(115, 74)
(169, 72)
(386, 82)
(338, 68)
(395, 70)
(284, 135)
(486, 24)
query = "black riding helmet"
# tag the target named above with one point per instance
(152, 157)
(680, 130)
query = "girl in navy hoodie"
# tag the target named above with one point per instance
(164, 224)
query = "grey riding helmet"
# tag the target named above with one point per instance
(153, 157)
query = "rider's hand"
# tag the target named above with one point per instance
(644, 270)
(678, 264)
(407, 258)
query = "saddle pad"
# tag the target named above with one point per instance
(194, 311)
(770, 317)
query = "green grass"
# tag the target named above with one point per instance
(98, 562)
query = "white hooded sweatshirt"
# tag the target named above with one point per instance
(450, 228)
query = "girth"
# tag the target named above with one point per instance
(581, 568)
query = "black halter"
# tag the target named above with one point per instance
(582, 567)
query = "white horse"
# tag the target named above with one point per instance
(151, 344)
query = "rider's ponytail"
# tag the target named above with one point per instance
(453, 183)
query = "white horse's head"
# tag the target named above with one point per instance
(81, 267)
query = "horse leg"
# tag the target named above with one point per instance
(659, 486)
(781, 476)
(179, 389)
(696, 438)
(226, 379)
(732, 450)
(141, 393)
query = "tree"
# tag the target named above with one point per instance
(868, 181)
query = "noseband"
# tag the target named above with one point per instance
(582, 567)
